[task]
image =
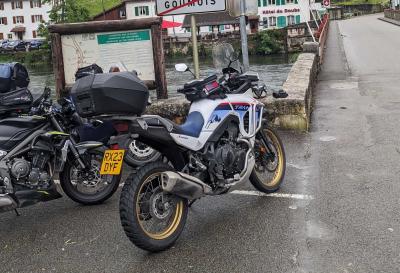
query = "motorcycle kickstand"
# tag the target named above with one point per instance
(17, 213)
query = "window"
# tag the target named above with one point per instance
(272, 21)
(122, 13)
(291, 20)
(264, 22)
(281, 21)
(18, 19)
(271, 2)
(10, 36)
(142, 11)
(1, 36)
(17, 5)
(37, 18)
(262, 3)
(34, 34)
(290, 1)
(36, 4)
(3, 20)
(1, 6)
(298, 19)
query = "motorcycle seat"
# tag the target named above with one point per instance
(192, 126)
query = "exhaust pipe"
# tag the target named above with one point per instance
(7, 203)
(184, 185)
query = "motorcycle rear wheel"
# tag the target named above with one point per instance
(269, 172)
(74, 188)
(152, 219)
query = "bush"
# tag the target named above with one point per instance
(269, 42)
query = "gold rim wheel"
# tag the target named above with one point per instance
(278, 172)
(148, 204)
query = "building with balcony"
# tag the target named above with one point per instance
(19, 20)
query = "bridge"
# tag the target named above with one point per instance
(338, 210)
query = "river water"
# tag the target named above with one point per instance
(273, 71)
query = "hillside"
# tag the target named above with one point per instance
(95, 6)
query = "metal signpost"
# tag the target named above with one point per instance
(241, 9)
(243, 36)
(174, 7)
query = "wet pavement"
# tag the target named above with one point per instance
(347, 167)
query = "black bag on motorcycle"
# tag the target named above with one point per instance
(88, 70)
(121, 93)
(16, 101)
(13, 76)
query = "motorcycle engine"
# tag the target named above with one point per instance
(230, 159)
(20, 168)
(31, 173)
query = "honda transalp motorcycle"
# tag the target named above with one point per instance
(223, 143)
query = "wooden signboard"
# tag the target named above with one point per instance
(132, 44)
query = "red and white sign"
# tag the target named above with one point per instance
(177, 7)
(326, 3)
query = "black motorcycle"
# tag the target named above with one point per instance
(36, 147)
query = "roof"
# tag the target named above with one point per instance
(18, 29)
(110, 9)
(211, 19)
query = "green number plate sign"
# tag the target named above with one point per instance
(123, 37)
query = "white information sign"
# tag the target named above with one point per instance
(134, 49)
(176, 7)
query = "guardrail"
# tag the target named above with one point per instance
(322, 35)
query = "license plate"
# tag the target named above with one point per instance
(112, 162)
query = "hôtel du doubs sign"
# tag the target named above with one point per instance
(274, 11)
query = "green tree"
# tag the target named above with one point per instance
(269, 42)
(67, 11)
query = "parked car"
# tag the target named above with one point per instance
(21, 46)
(35, 44)
(3, 45)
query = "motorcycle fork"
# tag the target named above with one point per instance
(270, 155)
(70, 143)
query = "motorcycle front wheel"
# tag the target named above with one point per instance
(270, 167)
(88, 187)
(152, 219)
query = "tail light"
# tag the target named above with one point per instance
(114, 147)
(121, 127)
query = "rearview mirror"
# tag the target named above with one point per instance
(181, 67)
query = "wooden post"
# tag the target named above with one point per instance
(58, 63)
(159, 62)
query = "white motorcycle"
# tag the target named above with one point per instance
(223, 143)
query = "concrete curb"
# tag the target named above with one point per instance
(390, 21)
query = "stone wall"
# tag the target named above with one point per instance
(392, 14)
(294, 111)
(291, 113)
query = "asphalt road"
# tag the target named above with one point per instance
(348, 163)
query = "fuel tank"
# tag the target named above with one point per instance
(13, 130)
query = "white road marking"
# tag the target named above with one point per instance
(327, 138)
(256, 193)
(298, 166)
(276, 195)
